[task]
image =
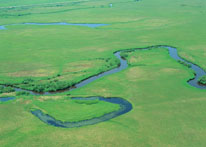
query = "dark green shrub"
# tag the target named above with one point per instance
(6, 89)
(124, 55)
(18, 93)
(202, 80)
(51, 86)
(38, 88)
(27, 81)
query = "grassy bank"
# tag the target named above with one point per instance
(75, 110)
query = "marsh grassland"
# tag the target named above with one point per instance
(167, 111)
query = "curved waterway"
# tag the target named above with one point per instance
(91, 25)
(123, 65)
(125, 106)
(199, 72)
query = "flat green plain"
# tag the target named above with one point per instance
(167, 111)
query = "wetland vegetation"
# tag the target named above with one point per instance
(167, 111)
(202, 80)
(4, 89)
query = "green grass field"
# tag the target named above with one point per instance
(167, 111)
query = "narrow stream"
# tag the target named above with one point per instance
(125, 107)
(91, 25)
(199, 72)
(5, 99)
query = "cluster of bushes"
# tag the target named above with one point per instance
(6, 89)
(184, 63)
(27, 81)
(51, 86)
(22, 93)
(124, 55)
(202, 80)
(111, 63)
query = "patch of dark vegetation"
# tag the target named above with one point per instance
(183, 5)
(124, 55)
(51, 86)
(27, 81)
(87, 102)
(184, 63)
(110, 64)
(14, 15)
(18, 93)
(18, 14)
(134, 65)
(61, 11)
(202, 80)
(4, 89)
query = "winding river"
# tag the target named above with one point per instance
(125, 106)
